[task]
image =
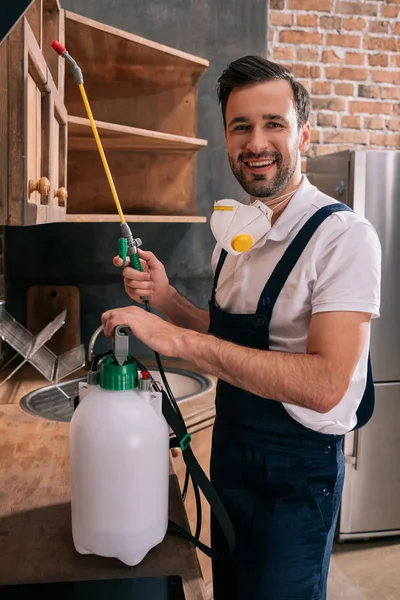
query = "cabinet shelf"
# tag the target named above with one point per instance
(122, 137)
(110, 54)
(134, 219)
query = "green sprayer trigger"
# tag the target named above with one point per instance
(135, 262)
(123, 249)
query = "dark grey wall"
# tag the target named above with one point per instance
(81, 254)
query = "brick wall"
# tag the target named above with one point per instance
(347, 54)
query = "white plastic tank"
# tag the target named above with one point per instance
(119, 460)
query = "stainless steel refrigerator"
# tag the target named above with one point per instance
(369, 182)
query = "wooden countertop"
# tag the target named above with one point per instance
(35, 529)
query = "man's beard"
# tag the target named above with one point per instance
(260, 186)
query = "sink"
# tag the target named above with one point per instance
(50, 403)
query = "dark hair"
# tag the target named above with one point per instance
(255, 69)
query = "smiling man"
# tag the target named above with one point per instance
(296, 283)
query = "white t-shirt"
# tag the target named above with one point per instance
(339, 270)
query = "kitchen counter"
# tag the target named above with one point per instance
(35, 530)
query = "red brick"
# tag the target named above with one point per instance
(396, 28)
(374, 123)
(325, 149)
(305, 83)
(345, 147)
(396, 109)
(317, 5)
(307, 54)
(368, 91)
(382, 43)
(328, 104)
(343, 137)
(344, 89)
(389, 11)
(390, 93)
(355, 58)
(300, 37)
(313, 119)
(376, 108)
(346, 73)
(338, 39)
(330, 22)
(327, 119)
(386, 76)
(271, 34)
(385, 139)
(330, 56)
(351, 121)
(378, 27)
(395, 60)
(276, 4)
(321, 87)
(314, 137)
(354, 24)
(306, 20)
(393, 124)
(378, 60)
(283, 53)
(280, 18)
(356, 8)
(300, 70)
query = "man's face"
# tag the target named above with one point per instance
(263, 138)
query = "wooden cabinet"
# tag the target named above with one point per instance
(201, 446)
(33, 124)
(144, 100)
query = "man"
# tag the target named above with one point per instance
(287, 336)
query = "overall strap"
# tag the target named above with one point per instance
(220, 264)
(279, 275)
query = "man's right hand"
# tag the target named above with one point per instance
(152, 282)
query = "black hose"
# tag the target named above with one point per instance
(198, 510)
(178, 412)
(185, 485)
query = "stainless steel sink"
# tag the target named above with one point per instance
(50, 403)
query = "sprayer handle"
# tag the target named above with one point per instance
(123, 253)
(135, 262)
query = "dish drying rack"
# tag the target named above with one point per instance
(33, 350)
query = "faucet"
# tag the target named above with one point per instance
(92, 342)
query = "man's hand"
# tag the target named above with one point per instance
(157, 334)
(151, 282)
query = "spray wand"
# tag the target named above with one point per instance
(127, 245)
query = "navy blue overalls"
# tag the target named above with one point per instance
(280, 482)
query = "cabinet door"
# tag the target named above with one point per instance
(32, 105)
(57, 205)
(201, 446)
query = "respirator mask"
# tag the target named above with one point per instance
(239, 227)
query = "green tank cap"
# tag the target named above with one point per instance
(117, 378)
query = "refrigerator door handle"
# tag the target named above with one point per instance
(354, 458)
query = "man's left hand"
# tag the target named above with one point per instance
(157, 334)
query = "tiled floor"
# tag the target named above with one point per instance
(365, 570)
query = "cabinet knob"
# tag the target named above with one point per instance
(61, 193)
(42, 186)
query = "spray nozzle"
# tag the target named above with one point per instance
(62, 51)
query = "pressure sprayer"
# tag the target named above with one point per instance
(120, 439)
